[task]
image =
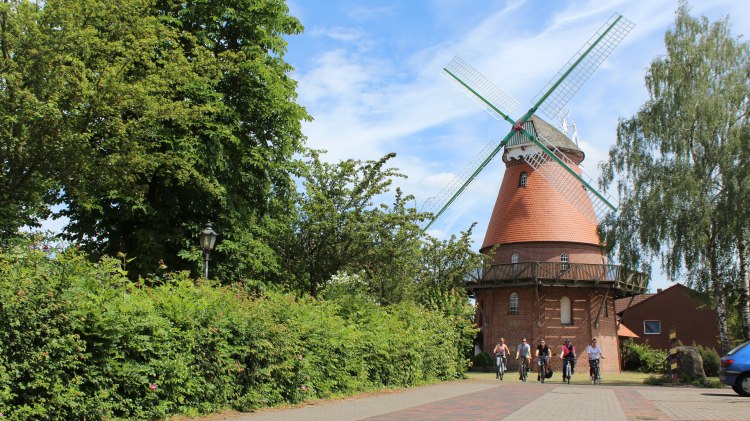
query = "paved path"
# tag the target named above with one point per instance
(512, 400)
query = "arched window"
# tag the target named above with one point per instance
(513, 309)
(564, 261)
(566, 311)
(522, 179)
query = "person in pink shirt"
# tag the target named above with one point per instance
(568, 355)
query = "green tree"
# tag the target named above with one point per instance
(163, 115)
(445, 267)
(31, 121)
(737, 213)
(674, 160)
(338, 227)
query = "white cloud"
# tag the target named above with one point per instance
(367, 102)
(340, 33)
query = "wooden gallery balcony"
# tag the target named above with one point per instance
(624, 281)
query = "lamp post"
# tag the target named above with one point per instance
(208, 240)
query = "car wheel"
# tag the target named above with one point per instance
(736, 389)
(742, 387)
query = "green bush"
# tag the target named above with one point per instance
(711, 360)
(642, 358)
(483, 359)
(78, 340)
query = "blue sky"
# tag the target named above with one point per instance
(369, 73)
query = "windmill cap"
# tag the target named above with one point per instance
(557, 138)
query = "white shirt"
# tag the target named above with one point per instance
(524, 350)
(594, 353)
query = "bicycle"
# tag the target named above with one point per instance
(596, 379)
(500, 366)
(567, 369)
(543, 368)
(524, 368)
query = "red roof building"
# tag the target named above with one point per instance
(677, 307)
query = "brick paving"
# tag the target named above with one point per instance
(699, 404)
(513, 400)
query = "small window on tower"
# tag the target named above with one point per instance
(522, 179)
(564, 262)
(513, 309)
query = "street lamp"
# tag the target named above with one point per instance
(208, 240)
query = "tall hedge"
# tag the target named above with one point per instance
(78, 340)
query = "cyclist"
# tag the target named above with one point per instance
(568, 355)
(524, 351)
(501, 353)
(542, 356)
(595, 353)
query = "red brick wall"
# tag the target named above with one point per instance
(549, 252)
(543, 320)
(674, 307)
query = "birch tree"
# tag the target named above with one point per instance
(674, 161)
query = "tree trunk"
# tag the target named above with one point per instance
(717, 285)
(744, 289)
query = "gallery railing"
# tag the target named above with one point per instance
(555, 273)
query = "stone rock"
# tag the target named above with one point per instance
(690, 364)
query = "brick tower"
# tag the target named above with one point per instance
(548, 277)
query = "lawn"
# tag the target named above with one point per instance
(626, 378)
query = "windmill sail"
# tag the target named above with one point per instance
(553, 97)
(480, 89)
(583, 198)
(558, 169)
(551, 100)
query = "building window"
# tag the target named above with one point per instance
(515, 259)
(564, 262)
(513, 303)
(522, 179)
(566, 311)
(652, 327)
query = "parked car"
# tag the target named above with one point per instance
(735, 369)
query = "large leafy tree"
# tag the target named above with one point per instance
(172, 114)
(675, 161)
(344, 239)
(338, 226)
(31, 133)
(445, 266)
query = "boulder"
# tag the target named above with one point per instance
(690, 364)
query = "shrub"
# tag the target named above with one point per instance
(81, 341)
(711, 360)
(642, 358)
(483, 359)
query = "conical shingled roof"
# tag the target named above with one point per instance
(557, 138)
(537, 212)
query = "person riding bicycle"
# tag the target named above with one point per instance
(568, 355)
(542, 355)
(594, 353)
(501, 353)
(524, 351)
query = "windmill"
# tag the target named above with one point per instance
(525, 140)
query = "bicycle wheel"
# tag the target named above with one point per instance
(542, 371)
(525, 373)
(598, 378)
(501, 370)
